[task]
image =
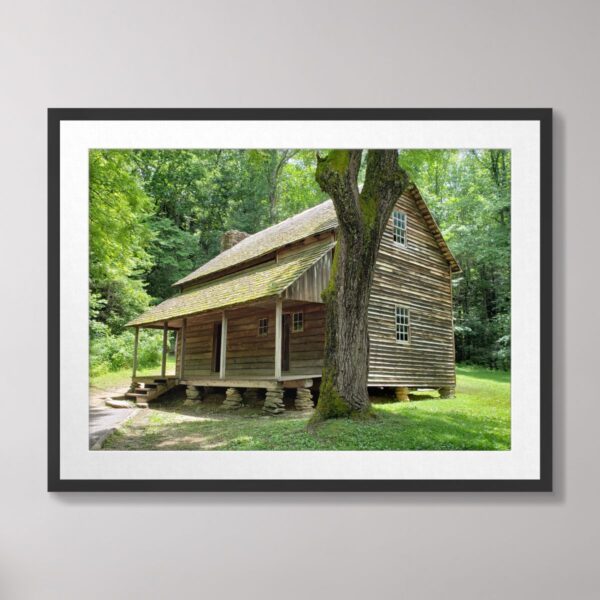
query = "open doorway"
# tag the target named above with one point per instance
(286, 325)
(216, 347)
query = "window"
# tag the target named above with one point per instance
(399, 220)
(298, 321)
(263, 326)
(402, 325)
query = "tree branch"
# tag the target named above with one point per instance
(385, 181)
(337, 175)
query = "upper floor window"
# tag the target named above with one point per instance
(298, 321)
(263, 326)
(399, 221)
(402, 324)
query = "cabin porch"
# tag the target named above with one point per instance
(272, 344)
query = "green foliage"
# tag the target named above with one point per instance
(298, 189)
(110, 352)
(119, 237)
(155, 215)
(173, 251)
(469, 194)
(121, 379)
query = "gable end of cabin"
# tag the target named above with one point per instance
(411, 328)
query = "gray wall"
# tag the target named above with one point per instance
(423, 54)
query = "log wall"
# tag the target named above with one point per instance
(306, 347)
(417, 277)
(198, 346)
(249, 353)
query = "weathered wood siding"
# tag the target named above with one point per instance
(198, 346)
(418, 278)
(306, 347)
(249, 353)
(311, 284)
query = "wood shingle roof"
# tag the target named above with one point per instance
(262, 281)
(223, 288)
(315, 220)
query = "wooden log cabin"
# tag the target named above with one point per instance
(252, 317)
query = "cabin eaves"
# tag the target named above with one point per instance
(263, 281)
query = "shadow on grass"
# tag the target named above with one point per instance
(478, 419)
(397, 427)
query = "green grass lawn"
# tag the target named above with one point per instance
(477, 419)
(122, 378)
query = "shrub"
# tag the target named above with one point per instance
(110, 352)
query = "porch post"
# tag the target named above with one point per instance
(136, 340)
(278, 317)
(182, 357)
(163, 370)
(223, 345)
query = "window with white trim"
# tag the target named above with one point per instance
(402, 325)
(298, 321)
(399, 222)
(263, 326)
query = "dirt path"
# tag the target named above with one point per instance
(104, 420)
(98, 395)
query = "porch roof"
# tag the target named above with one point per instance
(265, 280)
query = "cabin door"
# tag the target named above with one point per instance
(216, 347)
(286, 321)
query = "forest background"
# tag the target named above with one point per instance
(156, 215)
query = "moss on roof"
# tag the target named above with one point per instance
(251, 284)
(309, 222)
(315, 220)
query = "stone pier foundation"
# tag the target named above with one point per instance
(303, 399)
(447, 392)
(192, 395)
(274, 402)
(402, 394)
(233, 399)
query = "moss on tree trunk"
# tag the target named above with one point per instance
(362, 217)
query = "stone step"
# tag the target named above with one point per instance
(118, 403)
(136, 395)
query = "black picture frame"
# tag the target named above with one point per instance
(58, 115)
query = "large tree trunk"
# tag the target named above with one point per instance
(362, 218)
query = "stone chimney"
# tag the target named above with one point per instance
(230, 238)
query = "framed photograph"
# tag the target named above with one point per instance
(300, 300)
